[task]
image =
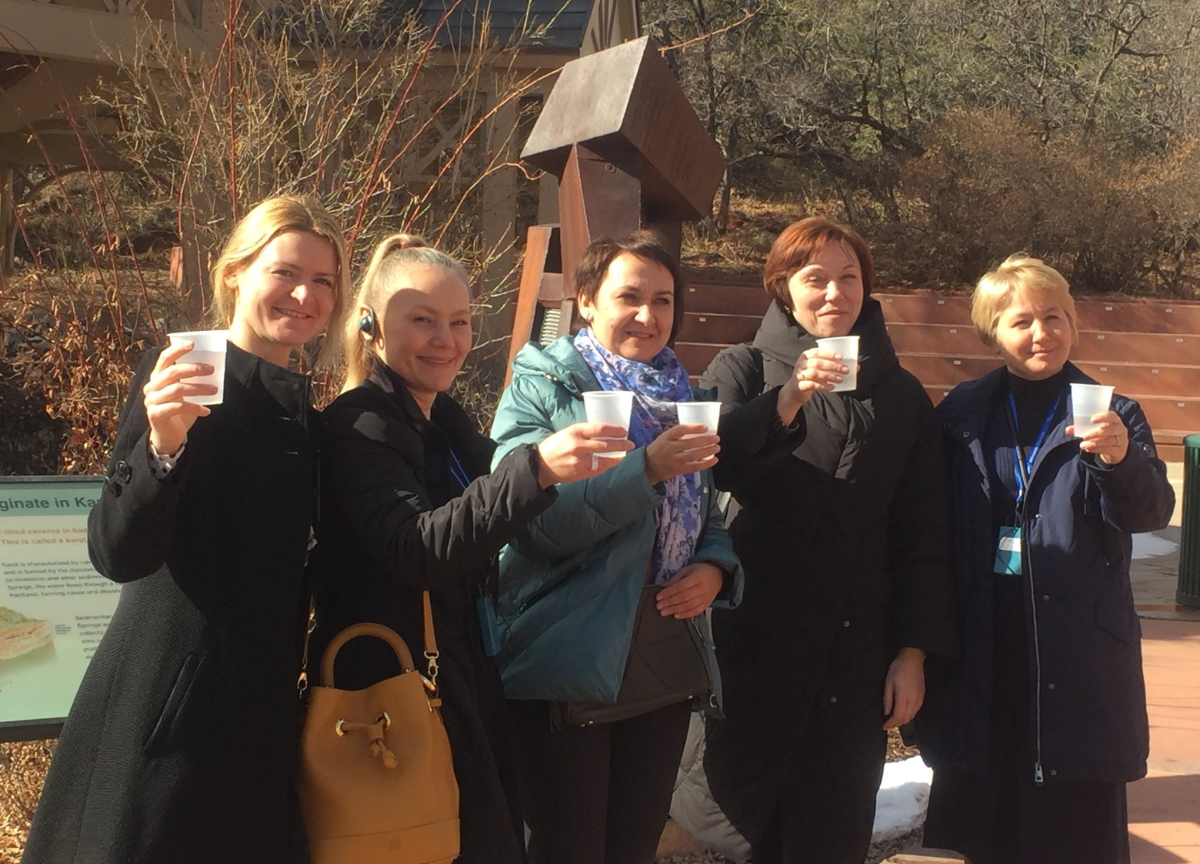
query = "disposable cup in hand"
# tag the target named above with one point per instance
(208, 346)
(847, 346)
(1088, 400)
(707, 413)
(609, 406)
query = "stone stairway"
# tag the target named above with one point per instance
(1148, 350)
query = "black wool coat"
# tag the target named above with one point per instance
(180, 746)
(394, 525)
(843, 534)
(1087, 695)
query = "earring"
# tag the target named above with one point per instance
(366, 325)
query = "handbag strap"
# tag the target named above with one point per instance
(379, 631)
(431, 649)
(402, 653)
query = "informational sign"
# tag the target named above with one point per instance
(54, 606)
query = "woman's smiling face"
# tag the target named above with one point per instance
(634, 308)
(827, 293)
(285, 295)
(1034, 336)
(425, 329)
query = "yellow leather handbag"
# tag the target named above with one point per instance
(376, 781)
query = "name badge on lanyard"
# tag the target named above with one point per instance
(1009, 545)
(1008, 552)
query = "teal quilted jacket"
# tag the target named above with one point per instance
(569, 584)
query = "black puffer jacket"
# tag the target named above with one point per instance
(181, 744)
(843, 535)
(851, 524)
(395, 525)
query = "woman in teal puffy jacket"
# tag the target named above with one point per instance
(646, 532)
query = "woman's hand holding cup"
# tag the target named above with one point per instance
(171, 417)
(816, 369)
(571, 454)
(1108, 438)
(681, 449)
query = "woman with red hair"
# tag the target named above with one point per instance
(838, 517)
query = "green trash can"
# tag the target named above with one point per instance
(1189, 546)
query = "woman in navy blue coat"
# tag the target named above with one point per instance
(1034, 732)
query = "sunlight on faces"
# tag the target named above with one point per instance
(827, 292)
(424, 331)
(634, 308)
(285, 295)
(1033, 336)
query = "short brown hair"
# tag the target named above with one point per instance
(797, 245)
(648, 245)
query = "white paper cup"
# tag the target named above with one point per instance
(847, 346)
(1086, 401)
(708, 413)
(609, 406)
(208, 346)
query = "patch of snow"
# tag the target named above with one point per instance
(903, 797)
(1151, 546)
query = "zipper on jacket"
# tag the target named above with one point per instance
(1026, 549)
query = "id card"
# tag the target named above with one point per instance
(488, 625)
(1008, 552)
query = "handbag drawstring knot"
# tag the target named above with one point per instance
(377, 748)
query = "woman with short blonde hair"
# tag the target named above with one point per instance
(1020, 274)
(1035, 730)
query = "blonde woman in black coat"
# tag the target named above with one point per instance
(410, 506)
(181, 744)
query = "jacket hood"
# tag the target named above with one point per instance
(782, 339)
(558, 361)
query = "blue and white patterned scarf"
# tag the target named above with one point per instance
(656, 387)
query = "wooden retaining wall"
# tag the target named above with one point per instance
(1148, 350)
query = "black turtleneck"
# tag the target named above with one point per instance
(1033, 399)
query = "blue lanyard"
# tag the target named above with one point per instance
(1023, 464)
(458, 473)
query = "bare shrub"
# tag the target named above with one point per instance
(338, 98)
(991, 186)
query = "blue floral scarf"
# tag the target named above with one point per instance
(656, 387)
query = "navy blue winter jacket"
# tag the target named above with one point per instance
(1087, 698)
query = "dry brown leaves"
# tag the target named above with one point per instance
(22, 772)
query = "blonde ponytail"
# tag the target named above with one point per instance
(392, 256)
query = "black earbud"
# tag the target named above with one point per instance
(366, 324)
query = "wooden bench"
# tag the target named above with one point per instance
(1148, 350)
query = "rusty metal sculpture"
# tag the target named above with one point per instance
(629, 152)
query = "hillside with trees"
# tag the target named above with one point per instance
(954, 132)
